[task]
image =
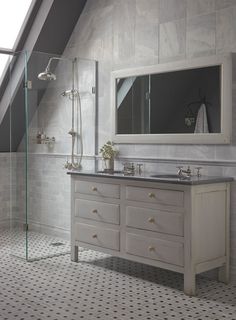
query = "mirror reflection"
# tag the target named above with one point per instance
(185, 101)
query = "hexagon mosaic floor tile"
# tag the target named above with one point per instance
(102, 287)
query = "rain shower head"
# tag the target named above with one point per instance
(47, 75)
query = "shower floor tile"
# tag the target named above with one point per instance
(39, 245)
(101, 287)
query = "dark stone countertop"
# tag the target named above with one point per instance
(194, 180)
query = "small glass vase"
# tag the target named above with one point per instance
(108, 165)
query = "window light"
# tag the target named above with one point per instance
(4, 60)
(12, 16)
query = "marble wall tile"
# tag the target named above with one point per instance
(83, 30)
(7, 187)
(220, 4)
(104, 120)
(149, 10)
(123, 32)
(197, 7)
(226, 152)
(171, 10)
(48, 202)
(194, 152)
(201, 33)
(172, 40)
(143, 149)
(94, 5)
(226, 29)
(94, 38)
(146, 32)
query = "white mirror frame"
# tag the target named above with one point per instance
(224, 137)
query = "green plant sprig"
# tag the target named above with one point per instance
(108, 150)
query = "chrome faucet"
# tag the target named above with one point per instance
(184, 173)
(129, 168)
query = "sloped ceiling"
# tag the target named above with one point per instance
(50, 35)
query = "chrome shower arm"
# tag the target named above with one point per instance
(54, 58)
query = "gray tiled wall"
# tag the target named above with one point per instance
(8, 186)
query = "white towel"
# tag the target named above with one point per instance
(201, 125)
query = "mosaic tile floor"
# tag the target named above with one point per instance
(39, 245)
(103, 287)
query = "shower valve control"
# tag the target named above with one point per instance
(93, 90)
(72, 132)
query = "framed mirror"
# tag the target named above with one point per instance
(175, 103)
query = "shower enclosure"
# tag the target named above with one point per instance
(53, 106)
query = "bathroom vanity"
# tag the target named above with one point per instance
(180, 224)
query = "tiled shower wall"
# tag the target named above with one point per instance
(4, 190)
(128, 33)
(8, 185)
(48, 206)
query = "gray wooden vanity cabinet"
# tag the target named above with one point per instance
(184, 228)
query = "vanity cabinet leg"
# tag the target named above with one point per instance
(190, 284)
(224, 270)
(223, 273)
(74, 253)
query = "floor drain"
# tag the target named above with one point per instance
(57, 244)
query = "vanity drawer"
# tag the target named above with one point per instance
(155, 220)
(152, 195)
(154, 248)
(98, 189)
(98, 211)
(102, 237)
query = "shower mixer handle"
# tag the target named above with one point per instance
(72, 133)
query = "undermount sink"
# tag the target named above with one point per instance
(167, 176)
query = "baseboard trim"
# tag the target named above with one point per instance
(233, 273)
(5, 223)
(49, 230)
(37, 227)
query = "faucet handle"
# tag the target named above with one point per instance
(198, 171)
(139, 167)
(188, 171)
(180, 170)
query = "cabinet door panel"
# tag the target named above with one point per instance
(102, 237)
(98, 211)
(154, 248)
(155, 220)
(152, 195)
(98, 189)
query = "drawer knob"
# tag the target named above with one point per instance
(151, 195)
(94, 236)
(151, 220)
(151, 249)
(94, 189)
(94, 211)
